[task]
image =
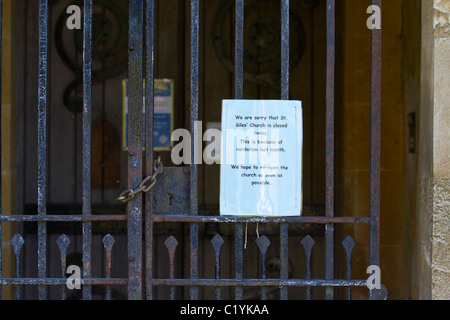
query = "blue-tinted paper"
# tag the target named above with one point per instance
(261, 158)
(162, 117)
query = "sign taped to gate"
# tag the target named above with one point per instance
(261, 158)
(162, 118)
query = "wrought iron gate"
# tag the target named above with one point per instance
(142, 211)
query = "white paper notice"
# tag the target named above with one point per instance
(261, 158)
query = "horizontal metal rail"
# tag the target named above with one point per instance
(61, 281)
(261, 282)
(61, 218)
(232, 219)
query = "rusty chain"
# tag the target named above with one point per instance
(129, 194)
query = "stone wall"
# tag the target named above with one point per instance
(440, 266)
(431, 263)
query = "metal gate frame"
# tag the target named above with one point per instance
(140, 210)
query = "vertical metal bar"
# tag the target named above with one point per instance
(108, 242)
(308, 244)
(238, 258)
(239, 50)
(285, 49)
(1, 70)
(284, 259)
(375, 143)
(63, 242)
(284, 228)
(348, 244)
(217, 243)
(42, 143)
(171, 243)
(195, 20)
(149, 105)
(135, 100)
(329, 201)
(17, 244)
(239, 93)
(263, 244)
(86, 151)
(375, 146)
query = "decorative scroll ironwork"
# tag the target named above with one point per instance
(262, 41)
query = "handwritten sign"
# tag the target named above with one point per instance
(261, 158)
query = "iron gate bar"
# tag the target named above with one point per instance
(284, 49)
(63, 242)
(238, 220)
(149, 105)
(195, 20)
(42, 143)
(375, 143)
(61, 281)
(1, 70)
(348, 243)
(261, 282)
(171, 243)
(61, 218)
(134, 208)
(308, 244)
(17, 244)
(263, 244)
(217, 243)
(135, 99)
(86, 150)
(284, 228)
(329, 145)
(108, 242)
(238, 94)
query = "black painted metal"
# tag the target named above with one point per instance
(1, 70)
(63, 242)
(308, 244)
(195, 25)
(171, 244)
(375, 149)
(348, 244)
(149, 94)
(329, 155)
(17, 243)
(284, 228)
(87, 121)
(184, 181)
(42, 141)
(217, 243)
(263, 244)
(135, 99)
(238, 94)
(108, 242)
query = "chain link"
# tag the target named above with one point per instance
(129, 194)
